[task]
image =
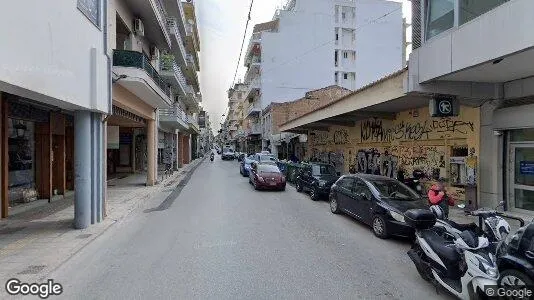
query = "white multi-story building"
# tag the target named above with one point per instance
(317, 43)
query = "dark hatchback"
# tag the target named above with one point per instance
(377, 201)
(317, 179)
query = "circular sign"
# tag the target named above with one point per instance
(445, 107)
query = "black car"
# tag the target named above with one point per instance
(316, 178)
(377, 201)
(516, 264)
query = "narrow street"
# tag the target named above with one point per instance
(220, 239)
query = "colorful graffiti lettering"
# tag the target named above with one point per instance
(337, 159)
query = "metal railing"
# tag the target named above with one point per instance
(126, 58)
(253, 108)
(163, 13)
(174, 112)
(173, 24)
(191, 61)
(171, 66)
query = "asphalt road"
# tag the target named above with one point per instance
(220, 239)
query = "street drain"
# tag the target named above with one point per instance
(84, 236)
(10, 230)
(33, 270)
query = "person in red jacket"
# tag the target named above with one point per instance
(438, 196)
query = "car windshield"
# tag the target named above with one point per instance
(268, 169)
(389, 188)
(323, 170)
(267, 157)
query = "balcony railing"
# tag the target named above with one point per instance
(191, 61)
(133, 59)
(163, 15)
(172, 23)
(174, 112)
(171, 66)
(253, 108)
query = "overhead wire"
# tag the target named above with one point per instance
(243, 42)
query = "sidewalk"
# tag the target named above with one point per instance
(35, 242)
(458, 215)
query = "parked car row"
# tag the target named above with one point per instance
(465, 259)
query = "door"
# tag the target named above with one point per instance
(521, 173)
(364, 198)
(344, 191)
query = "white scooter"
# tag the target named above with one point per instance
(463, 265)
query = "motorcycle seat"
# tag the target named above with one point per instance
(461, 227)
(445, 249)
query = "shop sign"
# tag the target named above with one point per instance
(457, 160)
(526, 167)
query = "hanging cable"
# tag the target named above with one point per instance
(243, 42)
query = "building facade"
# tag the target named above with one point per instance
(479, 50)
(317, 43)
(54, 95)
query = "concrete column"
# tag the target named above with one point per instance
(82, 169)
(151, 152)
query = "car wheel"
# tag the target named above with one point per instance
(334, 205)
(299, 187)
(514, 278)
(314, 194)
(379, 227)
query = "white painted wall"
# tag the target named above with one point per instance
(52, 53)
(300, 57)
(500, 32)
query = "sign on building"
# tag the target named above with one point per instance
(444, 106)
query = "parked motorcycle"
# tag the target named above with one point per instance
(212, 156)
(463, 265)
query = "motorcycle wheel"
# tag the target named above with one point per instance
(423, 270)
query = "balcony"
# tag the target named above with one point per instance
(253, 110)
(190, 32)
(154, 16)
(173, 118)
(172, 72)
(176, 10)
(253, 88)
(178, 47)
(137, 75)
(193, 124)
(253, 48)
(254, 129)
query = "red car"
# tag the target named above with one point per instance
(266, 176)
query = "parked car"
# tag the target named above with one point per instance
(266, 176)
(263, 157)
(377, 201)
(316, 178)
(245, 165)
(228, 154)
(516, 264)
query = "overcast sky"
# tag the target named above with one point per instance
(221, 24)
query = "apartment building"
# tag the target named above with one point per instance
(54, 96)
(154, 124)
(480, 54)
(234, 125)
(318, 43)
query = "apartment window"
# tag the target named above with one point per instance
(440, 16)
(343, 15)
(335, 77)
(345, 55)
(345, 76)
(91, 9)
(337, 37)
(335, 59)
(470, 9)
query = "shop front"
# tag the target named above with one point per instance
(513, 137)
(39, 148)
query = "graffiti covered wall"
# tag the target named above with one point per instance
(412, 141)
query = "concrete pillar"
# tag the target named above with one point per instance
(151, 152)
(82, 169)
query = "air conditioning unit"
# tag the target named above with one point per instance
(139, 28)
(154, 53)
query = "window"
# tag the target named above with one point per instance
(343, 15)
(345, 76)
(91, 9)
(337, 37)
(345, 55)
(393, 189)
(470, 9)
(440, 17)
(323, 170)
(346, 183)
(361, 187)
(335, 77)
(268, 169)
